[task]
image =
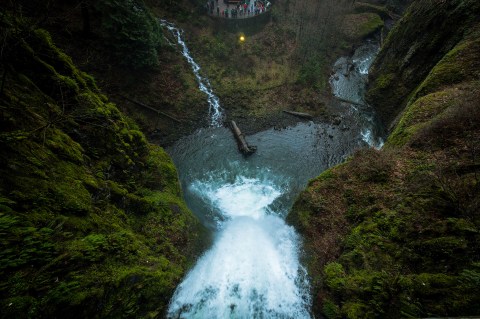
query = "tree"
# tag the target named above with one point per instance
(132, 32)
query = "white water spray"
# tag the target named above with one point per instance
(350, 84)
(253, 269)
(215, 110)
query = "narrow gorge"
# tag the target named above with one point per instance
(123, 194)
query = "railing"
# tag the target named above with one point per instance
(237, 9)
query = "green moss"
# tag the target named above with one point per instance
(354, 310)
(73, 196)
(324, 176)
(413, 48)
(361, 7)
(361, 25)
(61, 144)
(458, 65)
(334, 276)
(116, 189)
(161, 172)
(392, 232)
(419, 114)
(383, 81)
(441, 246)
(63, 64)
(380, 84)
(373, 24)
(330, 310)
(85, 201)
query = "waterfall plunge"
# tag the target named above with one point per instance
(253, 269)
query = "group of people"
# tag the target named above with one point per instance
(240, 9)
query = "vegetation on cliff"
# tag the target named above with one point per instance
(428, 31)
(132, 32)
(283, 64)
(394, 233)
(92, 222)
(121, 43)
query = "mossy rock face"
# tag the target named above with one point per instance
(393, 233)
(92, 222)
(425, 34)
(357, 27)
(361, 7)
(440, 89)
(460, 64)
(418, 114)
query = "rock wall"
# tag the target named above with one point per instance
(427, 31)
(92, 223)
(394, 233)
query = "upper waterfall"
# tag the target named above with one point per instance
(215, 110)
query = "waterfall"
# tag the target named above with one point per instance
(349, 82)
(253, 268)
(215, 110)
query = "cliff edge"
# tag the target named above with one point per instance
(92, 223)
(394, 233)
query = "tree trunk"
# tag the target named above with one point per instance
(299, 114)
(242, 143)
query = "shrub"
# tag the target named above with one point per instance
(132, 32)
(312, 72)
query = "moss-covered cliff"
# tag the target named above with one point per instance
(92, 224)
(394, 233)
(426, 33)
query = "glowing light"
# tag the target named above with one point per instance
(242, 38)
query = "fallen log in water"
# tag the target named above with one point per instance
(242, 143)
(350, 102)
(299, 114)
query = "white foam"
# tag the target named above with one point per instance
(244, 197)
(368, 137)
(253, 268)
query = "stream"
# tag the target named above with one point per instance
(253, 268)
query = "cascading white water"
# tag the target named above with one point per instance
(349, 82)
(253, 269)
(215, 110)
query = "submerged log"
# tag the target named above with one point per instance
(299, 114)
(242, 143)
